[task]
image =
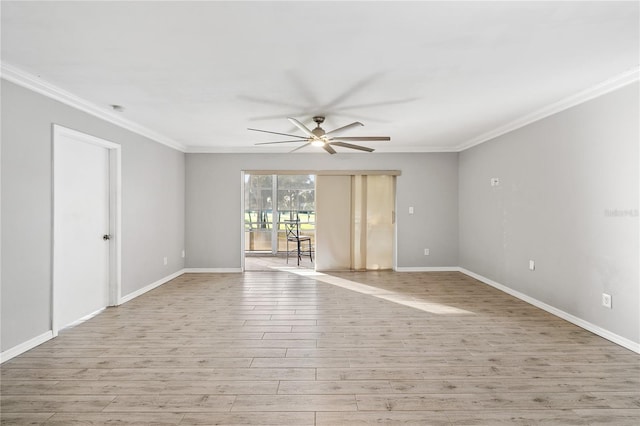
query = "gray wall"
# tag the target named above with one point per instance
(429, 183)
(153, 179)
(559, 179)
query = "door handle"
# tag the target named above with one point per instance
(106, 237)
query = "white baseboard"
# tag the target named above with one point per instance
(83, 319)
(23, 347)
(150, 287)
(211, 270)
(427, 269)
(619, 340)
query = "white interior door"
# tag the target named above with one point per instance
(81, 220)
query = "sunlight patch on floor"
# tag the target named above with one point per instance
(391, 296)
(298, 270)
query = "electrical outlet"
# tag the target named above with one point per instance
(166, 261)
(410, 210)
(532, 265)
(495, 181)
(606, 300)
(183, 254)
(426, 252)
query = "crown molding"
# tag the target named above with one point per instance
(31, 82)
(258, 150)
(583, 96)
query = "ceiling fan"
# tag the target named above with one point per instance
(326, 140)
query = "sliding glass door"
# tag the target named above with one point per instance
(270, 200)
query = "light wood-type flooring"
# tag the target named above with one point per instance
(269, 262)
(283, 348)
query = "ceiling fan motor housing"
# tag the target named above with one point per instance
(318, 131)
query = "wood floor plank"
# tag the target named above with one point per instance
(128, 418)
(336, 387)
(136, 362)
(294, 403)
(53, 403)
(299, 362)
(276, 348)
(543, 417)
(491, 400)
(196, 374)
(81, 387)
(26, 387)
(195, 351)
(532, 384)
(616, 417)
(22, 419)
(25, 374)
(416, 418)
(170, 403)
(220, 387)
(259, 418)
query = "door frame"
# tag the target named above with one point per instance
(242, 225)
(115, 211)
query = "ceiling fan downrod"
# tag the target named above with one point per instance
(318, 131)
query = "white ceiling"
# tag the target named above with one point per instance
(435, 76)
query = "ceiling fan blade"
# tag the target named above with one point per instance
(274, 133)
(348, 145)
(301, 126)
(300, 147)
(269, 143)
(363, 138)
(343, 128)
(328, 148)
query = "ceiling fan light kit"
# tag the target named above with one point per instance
(319, 138)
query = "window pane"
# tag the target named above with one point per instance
(296, 200)
(258, 204)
